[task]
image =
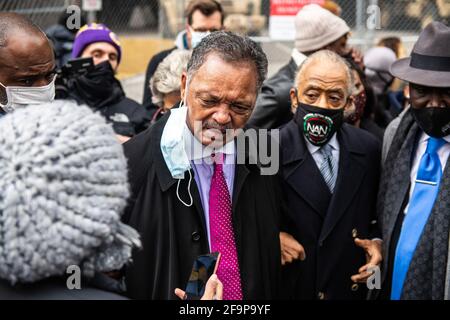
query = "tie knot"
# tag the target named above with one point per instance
(434, 144)
(218, 159)
(326, 150)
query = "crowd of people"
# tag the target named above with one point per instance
(132, 194)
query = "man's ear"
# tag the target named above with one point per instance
(349, 109)
(350, 104)
(183, 86)
(406, 91)
(294, 100)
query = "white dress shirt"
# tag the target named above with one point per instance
(443, 153)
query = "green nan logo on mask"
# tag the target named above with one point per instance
(317, 128)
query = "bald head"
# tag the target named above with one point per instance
(26, 56)
(12, 24)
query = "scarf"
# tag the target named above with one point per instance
(427, 273)
(98, 88)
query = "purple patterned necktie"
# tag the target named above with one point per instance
(222, 234)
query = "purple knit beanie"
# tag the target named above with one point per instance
(95, 32)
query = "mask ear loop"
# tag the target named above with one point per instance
(189, 191)
(191, 200)
(6, 107)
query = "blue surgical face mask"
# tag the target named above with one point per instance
(197, 37)
(173, 149)
(172, 143)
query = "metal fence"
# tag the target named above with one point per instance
(401, 18)
(119, 15)
(165, 18)
(43, 13)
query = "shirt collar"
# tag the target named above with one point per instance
(424, 138)
(298, 57)
(195, 150)
(313, 149)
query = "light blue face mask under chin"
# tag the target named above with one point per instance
(173, 150)
(172, 143)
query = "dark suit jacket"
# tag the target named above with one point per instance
(326, 224)
(173, 235)
(273, 106)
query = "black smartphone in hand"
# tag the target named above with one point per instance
(203, 268)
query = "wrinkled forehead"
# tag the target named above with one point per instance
(214, 68)
(27, 54)
(326, 76)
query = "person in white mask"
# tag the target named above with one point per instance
(27, 64)
(202, 18)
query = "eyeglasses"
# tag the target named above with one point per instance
(204, 29)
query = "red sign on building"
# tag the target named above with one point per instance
(282, 14)
(290, 7)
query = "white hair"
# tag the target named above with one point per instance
(329, 56)
(167, 77)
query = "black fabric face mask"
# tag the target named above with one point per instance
(318, 125)
(434, 121)
(97, 88)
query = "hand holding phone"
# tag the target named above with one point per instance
(203, 268)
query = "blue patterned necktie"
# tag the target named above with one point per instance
(328, 167)
(420, 206)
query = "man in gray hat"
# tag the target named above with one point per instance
(414, 198)
(316, 29)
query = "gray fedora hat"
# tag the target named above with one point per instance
(429, 64)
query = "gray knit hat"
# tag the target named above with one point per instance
(63, 182)
(378, 60)
(316, 27)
